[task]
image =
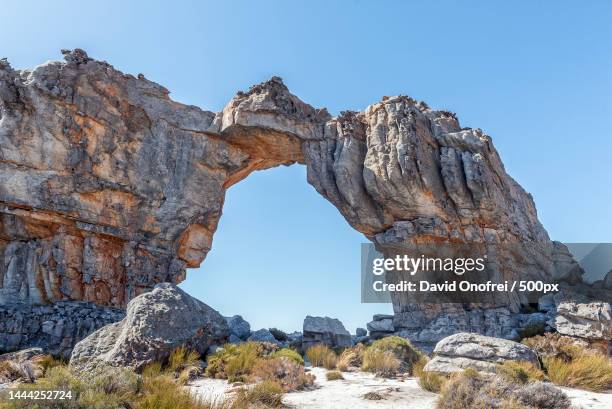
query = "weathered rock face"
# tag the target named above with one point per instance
(108, 187)
(463, 350)
(155, 324)
(54, 328)
(325, 330)
(240, 329)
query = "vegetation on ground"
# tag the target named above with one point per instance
(322, 355)
(334, 375)
(568, 362)
(389, 356)
(520, 372)
(235, 362)
(160, 386)
(351, 357)
(471, 390)
(282, 370)
(289, 353)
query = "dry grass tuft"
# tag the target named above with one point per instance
(351, 357)
(520, 372)
(590, 371)
(267, 394)
(334, 375)
(288, 374)
(321, 355)
(382, 363)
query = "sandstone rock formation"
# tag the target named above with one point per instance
(325, 330)
(461, 351)
(108, 187)
(155, 324)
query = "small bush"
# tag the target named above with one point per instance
(266, 394)
(289, 353)
(431, 381)
(284, 371)
(461, 391)
(234, 362)
(520, 372)
(334, 375)
(589, 371)
(382, 363)
(373, 396)
(470, 390)
(182, 358)
(321, 355)
(554, 344)
(48, 361)
(401, 348)
(279, 335)
(9, 372)
(541, 395)
(351, 357)
(162, 392)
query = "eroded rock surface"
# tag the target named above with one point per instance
(54, 328)
(463, 350)
(108, 187)
(155, 324)
(325, 330)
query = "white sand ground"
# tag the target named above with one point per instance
(348, 393)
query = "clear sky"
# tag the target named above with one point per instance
(536, 76)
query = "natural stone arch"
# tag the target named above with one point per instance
(108, 187)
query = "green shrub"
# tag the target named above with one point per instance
(520, 372)
(321, 355)
(289, 353)
(401, 348)
(234, 362)
(334, 375)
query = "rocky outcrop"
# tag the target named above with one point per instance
(108, 187)
(585, 320)
(325, 330)
(380, 326)
(463, 350)
(54, 328)
(155, 324)
(239, 328)
(263, 335)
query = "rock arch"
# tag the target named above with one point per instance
(108, 187)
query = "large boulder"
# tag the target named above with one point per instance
(464, 350)
(382, 325)
(263, 335)
(156, 323)
(584, 320)
(325, 330)
(239, 327)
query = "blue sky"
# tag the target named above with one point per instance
(536, 76)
